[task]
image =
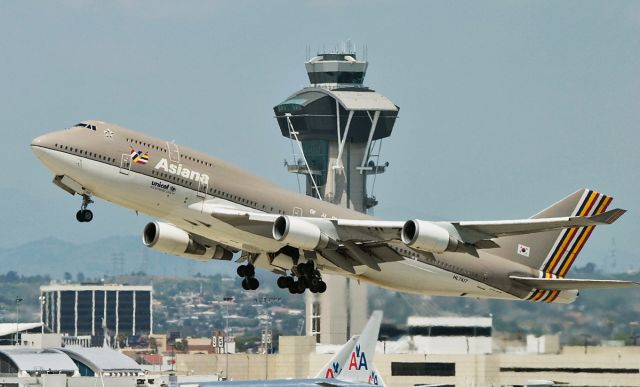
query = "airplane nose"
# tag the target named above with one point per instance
(40, 144)
(38, 141)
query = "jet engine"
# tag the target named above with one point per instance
(427, 236)
(173, 240)
(299, 233)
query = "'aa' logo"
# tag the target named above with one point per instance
(358, 360)
(333, 371)
(373, 378)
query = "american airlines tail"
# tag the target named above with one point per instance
(334, 367)
(359, 365)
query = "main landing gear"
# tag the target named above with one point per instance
(248, 271)
(308, 278)
(85, 215)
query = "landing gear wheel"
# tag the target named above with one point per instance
(283, 282)
(87, 215)
(84, 216)
(245, 284)
(300, 286)
(322, 287)
(253, 283)
(248, 272)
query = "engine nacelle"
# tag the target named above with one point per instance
(299, 233)
(427, 236)
(173, 240)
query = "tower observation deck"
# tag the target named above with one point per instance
(337, 126)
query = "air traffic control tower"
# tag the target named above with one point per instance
(336, 126)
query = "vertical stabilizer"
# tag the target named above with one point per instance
(553, 252)
(359, 366)
(332, 369)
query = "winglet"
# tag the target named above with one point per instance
(608, 217)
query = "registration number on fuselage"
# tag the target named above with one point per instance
(460, 279)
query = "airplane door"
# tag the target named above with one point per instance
(174, 152)
(125, 164)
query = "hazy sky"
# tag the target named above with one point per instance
(506, 106)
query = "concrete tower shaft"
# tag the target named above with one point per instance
(336, 123)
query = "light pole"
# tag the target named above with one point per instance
(634, 336)
(227, 300)
(18, 301)
(586, 341)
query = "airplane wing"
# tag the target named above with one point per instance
(572, 284)
(351, 242)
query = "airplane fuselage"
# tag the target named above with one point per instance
(178, 185)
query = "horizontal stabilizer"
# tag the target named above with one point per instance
(500, 228)
(572, 284)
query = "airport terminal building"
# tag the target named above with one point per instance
(97, 310)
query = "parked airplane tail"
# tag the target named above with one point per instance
(359, 366)
(332, 369)
(554, 252)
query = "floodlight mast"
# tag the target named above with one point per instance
(336, 124)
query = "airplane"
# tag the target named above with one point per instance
(352, 365)
(208, 209)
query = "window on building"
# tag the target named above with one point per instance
(315, 320)
(422, 369)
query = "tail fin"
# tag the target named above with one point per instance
(359, 368)
(554, 252)
(332, 369)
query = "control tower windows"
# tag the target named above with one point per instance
(336, 77)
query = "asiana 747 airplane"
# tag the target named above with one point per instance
(208, 209)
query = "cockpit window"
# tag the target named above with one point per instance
(83, 125)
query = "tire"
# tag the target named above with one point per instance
(253, 283)
(245, 284)
(87, 215)
(250, 270)
(300, 286)
(282, 282)
(241, 271)
(290, 281)
(79, 216)
(322, 287)
(313, 282)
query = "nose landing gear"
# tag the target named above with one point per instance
(85, 215)
(308, 277)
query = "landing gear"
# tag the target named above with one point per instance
(308, 277)
(85, 215)
(248, 271)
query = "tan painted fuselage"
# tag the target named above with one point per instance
(178, 185)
